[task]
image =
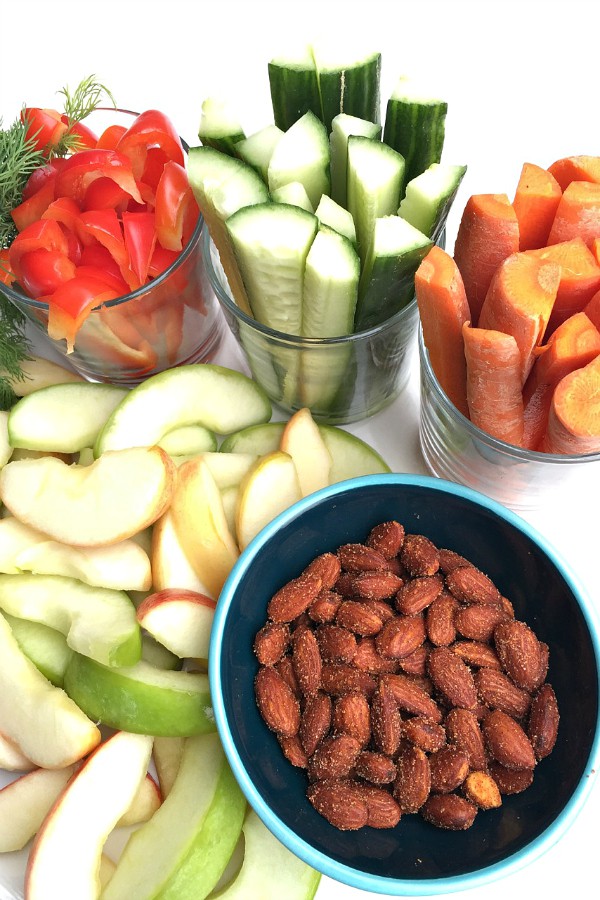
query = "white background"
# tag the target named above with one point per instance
(521, 80)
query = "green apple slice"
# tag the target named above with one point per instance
(157, 655)
(140, 698)
(269, 487)
(45, 647)
(264, 855)
(181, 853)
(302, 439)
(167, 753)
(89, 506)
(256, 439)
(350, 456)
(97, 622)
(63, 418)
(44, 723)
(5, 447)
(40, 373)
(218, 398)
(188, 440)
(228, 469)
(84, 815)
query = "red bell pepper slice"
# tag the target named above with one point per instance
(150, 129)
(139, 230)
(103, 226)
(64, 210)
(98, 256)
(6, 273)
(41, 175)
(86, 139)
(44, 234)
(71, 304)
(79, 170)
(156, 159)
(110, 137)
(74, 245)
(44, 127)
(104, 193)
(174, 197)
(161, 260)
(34, 207)
(43, 271)
(111, 279)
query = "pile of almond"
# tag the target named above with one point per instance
(396, 674)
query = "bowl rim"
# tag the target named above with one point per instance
(518, 453)
(315, 858)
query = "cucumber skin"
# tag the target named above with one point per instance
(294, 91)
(417, 131)
(355, 90)
(391, 287)
(225, 144)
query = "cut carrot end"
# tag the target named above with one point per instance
(577, 214)
(579, 278)
(536, 200)
(592, 310)
(574, 420)
(575, 168)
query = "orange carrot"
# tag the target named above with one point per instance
(574, 420)
(487, 234)
(576, 168)
(443, 309)
(494, 383)
(573, 345)
(579, 278)
(519, 302)
(577, 214)
(595, 248)
(536, 199)
(592, 310)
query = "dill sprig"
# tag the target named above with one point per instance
(18, 159)
(14, 350)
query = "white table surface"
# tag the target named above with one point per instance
(521, 81)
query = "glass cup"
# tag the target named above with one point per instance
(172, 320)
(459, 451)
(341, 379)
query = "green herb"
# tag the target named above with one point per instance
(18, 159)
(13, 350)
(79, 104)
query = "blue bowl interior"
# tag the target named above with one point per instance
(542, 596)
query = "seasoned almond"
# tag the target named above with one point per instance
(375, 767)
(497, 691)
(452, 678)
(507, 742)
(336, 643)
(463, 729)
(341, 678)
(424, 733)
(324, 607)
(519, 652)
(450, 560)
(327, 567)
(293, 598)
(315, 722)
(387, 538)
(478, 622)
(439, 619)
(449, 811)
(401, 636)
(481, 789)
(358, 558)
(276, 703)
(306, 659)
(352, 715)
(411, 697)
(358, 617)
(344, 586)
(383, 811)
(381, 608)
(334, 757)
(293, 750)
(386, 724)
(271, 643)
(418, 594)
(544, 663)
(542, 728)
(413, 779)
(340, 803)
(285, 668)
(510, 781)
(419, 555)
(416, 662)
(470, 585)
(476, 654)
(377, 585)
(449, 768)
(368, 659)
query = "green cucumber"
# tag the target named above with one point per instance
(342, 126)
(294, 88)
(429, 197)
(375, 174)
(302, 155)
(257, 149)
(387, 280)
(219, 126)
(331, 214)
(221, 186)
(294, 194)
(415, 126)
(330, 286)
(348, 86)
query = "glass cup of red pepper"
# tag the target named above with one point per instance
(107, 262)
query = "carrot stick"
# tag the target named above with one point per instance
(592, 310)
(579, 278)
(443, 309)
(519, 302)
(487, 234)
(536, 410)
(536, 199)
(576, 168)
(494, 383)
(595, 248)
(574, 420)
(577, 214)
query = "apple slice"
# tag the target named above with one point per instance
(157, 655)
(5, 447)
(264, 855)
(47, 726)
(350, 455)
(143, 806)
(187, 844)
(201, 526)
(302, 440)
(90, 506)
(256, 439)
(221, 399)
(180, 620)
(270, 487)
(15, 537)
(25, 803)
(106, 870)
(11, 757)
(167, 753)
(228, 469)
(84, 815)
(170, 566)
(188, 440)
(45, 647)
(140, 698)
(63, 418)
(229, 498)
(40, 373)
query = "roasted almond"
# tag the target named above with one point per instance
(416, 595)
(293, 598)
(327, 567)
(377, 585)
(276, 703)
(285, 668)
(334, 757)
(478, 622)
(411, 697)
(419, 555)
(449, 811)
(416, 662)
(463, 729)
(344, 586)
(481, 789)
(375, 767)
(324, 607)
(271, 643)
(340, 803)
(510, 781)
(358, 617)
(413, 779)
(497, 691)
(439, 619)
(450, 560)
(470, 585)
(315, 722)
(452, 678)
(424, 733)
(507, 742)
(386, 724)
(368, 659)
(352, 715)
(381, 608)
(293, 750)
(387, 538)
(383, 811)
(542, 728)
(476, 654)
(306, 659)
(358, 558)
(449, 768)
(336, 643)
(341, 678)
(519, 652)
(401, 636)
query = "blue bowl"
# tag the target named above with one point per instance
(414, 858)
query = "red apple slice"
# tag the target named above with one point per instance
(181, 620)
